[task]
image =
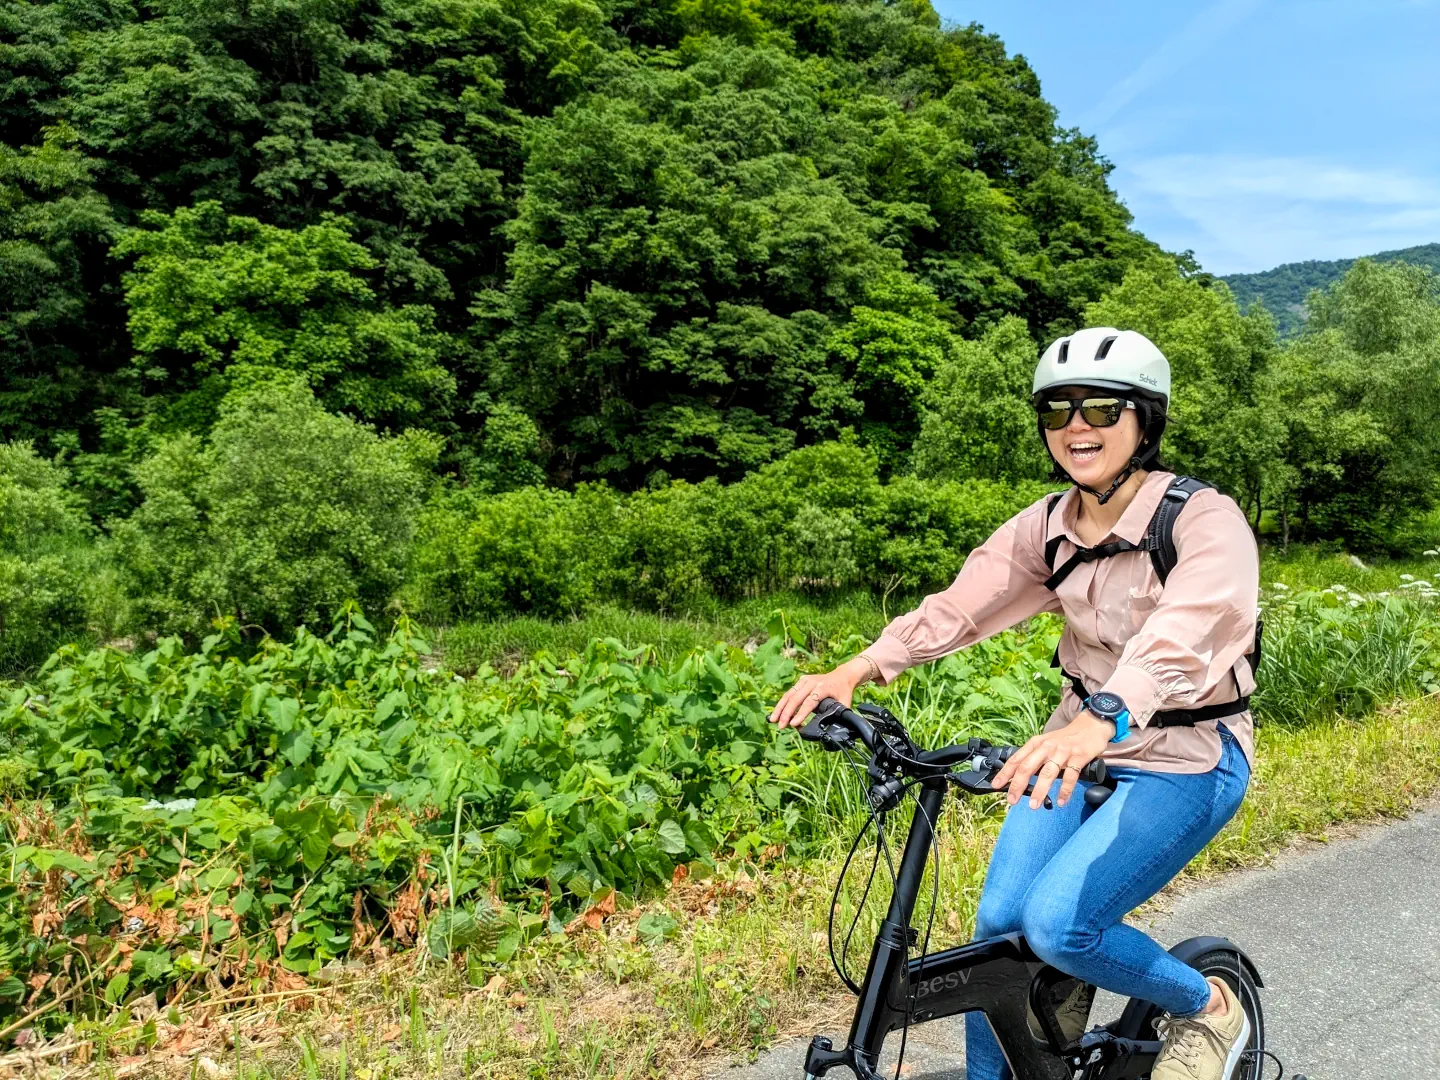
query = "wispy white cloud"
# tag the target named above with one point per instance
(1258, 212)
(1203, 31)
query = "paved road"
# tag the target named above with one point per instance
(1347, 939)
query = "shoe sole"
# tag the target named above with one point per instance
(1241, 1044)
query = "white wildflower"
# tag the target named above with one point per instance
(1281, 585)
(1353, 602)
(1430, 551)
(1407, 577)
(172, 805)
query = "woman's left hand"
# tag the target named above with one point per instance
(1052, 754)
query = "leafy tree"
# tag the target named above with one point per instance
(1222, 428)
(59, 323)
(45, 559)
(216, 300)
(977, 420)
(656, 230)
(283, 515)
(1355, 392)
(509, 452)
(894, 343)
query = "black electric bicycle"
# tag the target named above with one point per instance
(1039, 1014)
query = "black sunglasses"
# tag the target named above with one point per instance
(1055, 413)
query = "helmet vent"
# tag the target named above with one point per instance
(1104, 349)
(1064, 351)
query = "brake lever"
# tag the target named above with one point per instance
(976, 780)
(829, 736)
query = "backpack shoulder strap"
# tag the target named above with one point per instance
(1160, 536)
(1052, 543)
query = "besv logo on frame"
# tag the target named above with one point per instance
(953, 981)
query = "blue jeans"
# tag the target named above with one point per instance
(1065, 878)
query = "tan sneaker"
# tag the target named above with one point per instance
(1071, 1015)
(1203, 1047)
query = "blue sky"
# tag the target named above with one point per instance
(1256, 132)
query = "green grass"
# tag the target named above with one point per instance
(1314, 567)
(821, 622)
(816, 622)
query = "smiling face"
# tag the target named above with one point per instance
(1094, 456)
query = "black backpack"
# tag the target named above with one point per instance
(1159, 541)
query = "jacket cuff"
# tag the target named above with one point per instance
(1139, 690)
(890, 656)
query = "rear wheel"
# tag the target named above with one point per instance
(1226, 966)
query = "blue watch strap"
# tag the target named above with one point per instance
(1122, 727)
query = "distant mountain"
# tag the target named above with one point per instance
(1283, 290)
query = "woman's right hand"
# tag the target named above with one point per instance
(809, 690)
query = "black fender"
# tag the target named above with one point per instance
(1191, 949)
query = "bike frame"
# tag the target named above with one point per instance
(1000, 977)
(997, 976)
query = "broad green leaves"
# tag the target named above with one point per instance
(278, 796)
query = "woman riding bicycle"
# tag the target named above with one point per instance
(1159, 661)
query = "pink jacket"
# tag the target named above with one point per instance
(1179, 647)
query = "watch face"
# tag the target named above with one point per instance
(1104, 704)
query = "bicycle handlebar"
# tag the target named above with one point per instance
(891, 749)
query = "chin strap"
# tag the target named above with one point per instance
(1139, 461)
(1125, 474)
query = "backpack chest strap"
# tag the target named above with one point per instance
(1088, 555)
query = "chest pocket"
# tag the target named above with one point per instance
(1124, 593)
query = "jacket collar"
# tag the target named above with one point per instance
(1133, 522)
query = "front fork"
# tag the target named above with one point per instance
(876, 1015)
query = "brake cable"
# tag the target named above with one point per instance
(913, 990)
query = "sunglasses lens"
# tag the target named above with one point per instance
(1102, 412)
(1055, 419)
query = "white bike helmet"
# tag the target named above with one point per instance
(1110, 359)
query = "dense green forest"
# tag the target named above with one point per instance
(643, 240)
(494, 307)
(1284, 289)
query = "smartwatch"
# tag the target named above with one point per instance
(1108, 706)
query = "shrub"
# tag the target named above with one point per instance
(1335, 651)
(921, 533)
(287, 512)
(46, 557)
(533, 551)
(818, 519)
(296, 802)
